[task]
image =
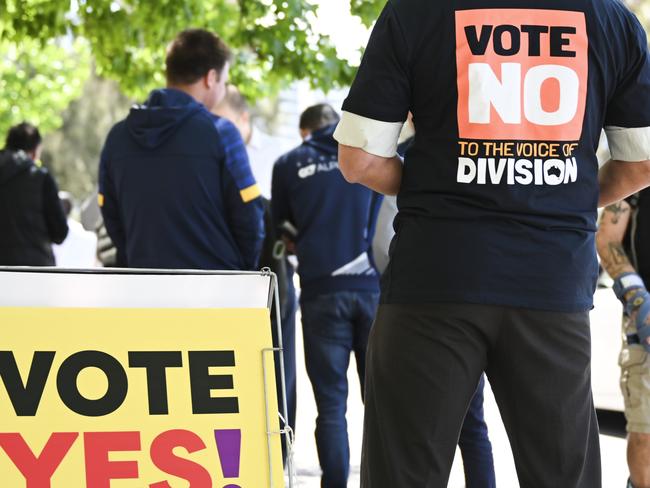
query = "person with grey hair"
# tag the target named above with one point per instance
(263, 150)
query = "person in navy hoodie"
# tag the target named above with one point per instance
(329, 223)
(175, 184)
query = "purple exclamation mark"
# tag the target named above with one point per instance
(229, 447)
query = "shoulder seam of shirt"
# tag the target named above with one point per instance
(401, 31)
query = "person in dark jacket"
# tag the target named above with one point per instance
(31, 215)
(175, 184)
(329, 224)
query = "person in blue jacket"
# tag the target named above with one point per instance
(175, 184)
(329, 224)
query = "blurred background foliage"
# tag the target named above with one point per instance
(73, 67)
(274, 39)
(72, 152)
(38, 80)
(367, 10)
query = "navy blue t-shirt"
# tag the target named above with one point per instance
(500, 187)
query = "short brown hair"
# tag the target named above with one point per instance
(193, 54)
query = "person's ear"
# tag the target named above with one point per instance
(211, 78)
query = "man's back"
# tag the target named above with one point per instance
(493, 266)
(31, 217)
(335, 220)
(333, 227)
(177, 194)
(499, 191)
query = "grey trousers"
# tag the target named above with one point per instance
(423, 365)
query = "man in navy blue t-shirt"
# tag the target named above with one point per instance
(331, 225)
(493, 267)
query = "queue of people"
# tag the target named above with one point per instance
(186, 181)
(493, 266)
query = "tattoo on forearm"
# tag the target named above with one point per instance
(617, 210)
(617, 253)
(612, 253)
(616, 261)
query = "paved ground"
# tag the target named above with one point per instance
(306, 460)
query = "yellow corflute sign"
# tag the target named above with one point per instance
(138, 398)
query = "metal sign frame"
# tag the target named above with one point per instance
(276, 352)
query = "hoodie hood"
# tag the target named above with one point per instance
(162, 114)
(12, 164)
(323, 140)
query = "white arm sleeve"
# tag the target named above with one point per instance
(630, 145)
(373, 136)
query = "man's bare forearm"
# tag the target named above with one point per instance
(383, 175)
(609, 241)
(385, 178)
(613, 225)
(618, 180)
(616, 261)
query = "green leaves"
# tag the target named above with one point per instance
(273, 39)
(46, 45)
(34, 19)
(39, 80)
(367, 10)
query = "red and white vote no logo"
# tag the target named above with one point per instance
(522, 74)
